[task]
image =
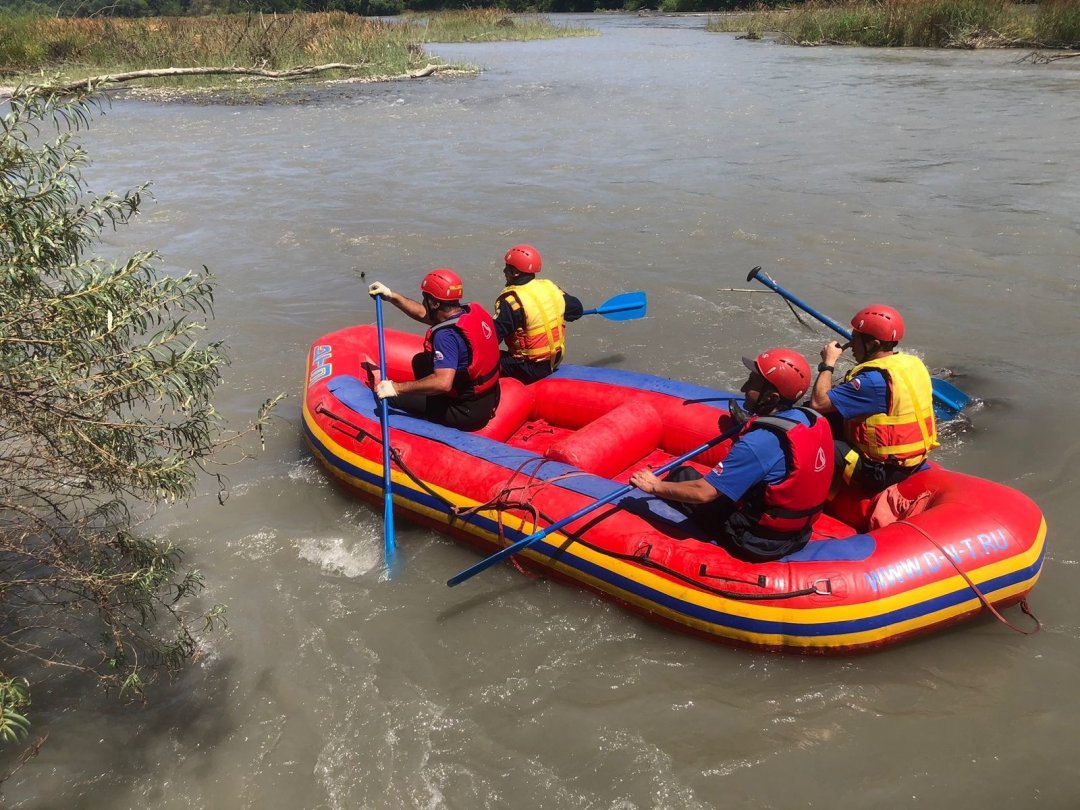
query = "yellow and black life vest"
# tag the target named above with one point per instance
(543, 305)
(907, 432)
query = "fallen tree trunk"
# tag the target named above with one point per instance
(1040, 58)
(157, 73)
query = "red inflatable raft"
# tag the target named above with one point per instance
(559, 445)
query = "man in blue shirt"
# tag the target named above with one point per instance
(885, 403)
(761, 500)
(456, 376)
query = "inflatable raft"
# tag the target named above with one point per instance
(558, 445)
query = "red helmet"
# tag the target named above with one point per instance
(879, 321)
(523, 258)
(786, 370)
(443, 284)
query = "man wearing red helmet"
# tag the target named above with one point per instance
(762, 499)
(456, 376)
(531, 315)
(886, 402)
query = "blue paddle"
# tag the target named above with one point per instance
(514, 548)
(948, 399)
(623, 307)
(389, 548)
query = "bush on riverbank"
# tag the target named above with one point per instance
(106, 411)
(85, 47)
(918, 23)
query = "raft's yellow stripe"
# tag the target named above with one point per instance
(750, 611)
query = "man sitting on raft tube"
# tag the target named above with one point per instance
(456, 376)
(531, 315)
(885, 401)
(761, 500)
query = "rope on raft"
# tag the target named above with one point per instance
(971, 584)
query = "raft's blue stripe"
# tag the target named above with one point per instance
(764, 627)
(855, 548)
(643, 382)
(358, 398)
(719, 618)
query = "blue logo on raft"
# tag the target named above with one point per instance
(321, 367)
(975, 549)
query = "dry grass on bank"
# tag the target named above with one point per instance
(918, 23)
(35, 47)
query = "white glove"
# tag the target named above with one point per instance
(378, 288)
(385, 389)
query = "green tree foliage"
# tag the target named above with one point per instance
(105, 411)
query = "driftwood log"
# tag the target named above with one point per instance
(1040, 58)
(280, 75)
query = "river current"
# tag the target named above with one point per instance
(658, 157)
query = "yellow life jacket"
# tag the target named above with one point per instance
(544, 335)
(907, 432)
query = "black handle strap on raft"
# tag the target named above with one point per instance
(362, 434)
(759, 582)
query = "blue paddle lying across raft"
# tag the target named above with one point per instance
(536, 537)
(948, 399)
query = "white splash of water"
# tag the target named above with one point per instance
(336, 555)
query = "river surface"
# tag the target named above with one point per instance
(654, 157)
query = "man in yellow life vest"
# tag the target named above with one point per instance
(531, 315)
(886, 402)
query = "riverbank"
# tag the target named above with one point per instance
(917, 23)
(257, 55)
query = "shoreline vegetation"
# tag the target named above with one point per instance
(1051, 24)
(255, 55)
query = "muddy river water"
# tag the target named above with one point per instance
(659, 157)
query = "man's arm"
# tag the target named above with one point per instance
(819, 397)
(414, 309)
(696, 491)
(438, 382)
(504, 318)
(574, 309)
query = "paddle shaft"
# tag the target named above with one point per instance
(757, 275)
(384, 422)
(514, 548)
(948, 400)
(606, 310)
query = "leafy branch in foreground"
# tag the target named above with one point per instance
(106, 410)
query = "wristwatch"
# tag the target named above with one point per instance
(821, 367)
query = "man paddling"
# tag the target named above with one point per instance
(457, 374)
(886, 402)
(761, 500)
(531, 315)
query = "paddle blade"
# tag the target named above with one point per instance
(948, 399)
(623, 307)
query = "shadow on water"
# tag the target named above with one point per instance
(607, 361)
(87, 728)
(485, 599)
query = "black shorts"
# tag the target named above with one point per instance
(868, 475)
(463, 414)
(724, 525)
